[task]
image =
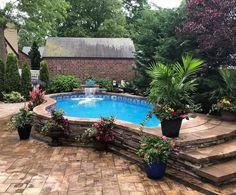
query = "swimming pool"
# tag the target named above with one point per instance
(133, 110)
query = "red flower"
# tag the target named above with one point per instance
(173, 113)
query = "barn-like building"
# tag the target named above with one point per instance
(91, 57)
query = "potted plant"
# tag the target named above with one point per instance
(227, 109)
(23, 122)
(100, 133)
(36, 96)
(226, 95)
(155, 152)
(171, 119)
(57, 127)
(170, 92)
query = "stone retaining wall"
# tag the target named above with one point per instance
(125, 138)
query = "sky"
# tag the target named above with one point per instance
(161, 3)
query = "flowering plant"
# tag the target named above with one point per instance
(155, 148)
(57, 122)
(37, 96)
(225, 104)
(24, 117)
(100, 130)
(167, 113)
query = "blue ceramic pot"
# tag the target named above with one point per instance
(155, 170)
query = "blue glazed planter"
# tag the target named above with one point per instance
(155, 170)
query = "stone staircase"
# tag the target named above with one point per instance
(207, 155)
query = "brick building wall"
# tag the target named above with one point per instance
(117, 69)
(22, 58)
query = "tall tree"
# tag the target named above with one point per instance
(2, 77)
(12, 78)
(37, 19)
(94, 18)
(26, 79)
(35, 56)
(133, 6)
(157, 40)
(3, 51)
(213, 24)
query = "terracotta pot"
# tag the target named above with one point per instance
(228, 116)
(24, 132)
(171, 128)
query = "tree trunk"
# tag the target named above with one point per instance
(3, 50)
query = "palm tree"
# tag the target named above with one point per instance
(172, 85)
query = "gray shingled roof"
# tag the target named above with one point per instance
(89, 47)
(26, 50)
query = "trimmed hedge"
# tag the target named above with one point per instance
(44, 74)
(63, 83)
(12, 77)
(26, 79)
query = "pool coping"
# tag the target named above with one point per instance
(41, 111)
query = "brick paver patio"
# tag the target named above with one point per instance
(31, 167)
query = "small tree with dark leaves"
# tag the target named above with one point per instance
(35, 56)
(213, 24)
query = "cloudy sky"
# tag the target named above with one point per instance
(161, 3)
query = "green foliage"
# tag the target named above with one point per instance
(44, 73)
(225, 104)
(94, 18)
(222, 95)
(12, 77)
(63, 83)
(134, 6)
(26, 79)
(157, 40)
(13, 97)
(101, 130)
(38, 19)
(105, 83)
(130, 87)
(88, 135)
(57, 122)
(229, 87)
(172, 85)
(35, 56)
(208, 80)
(3, 19)
(155, 148)
(25, 117)
(2, 77)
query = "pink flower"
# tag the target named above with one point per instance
(96, 125)
(164, 138)
(183, 116)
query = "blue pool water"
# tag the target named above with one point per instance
(124, 108)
